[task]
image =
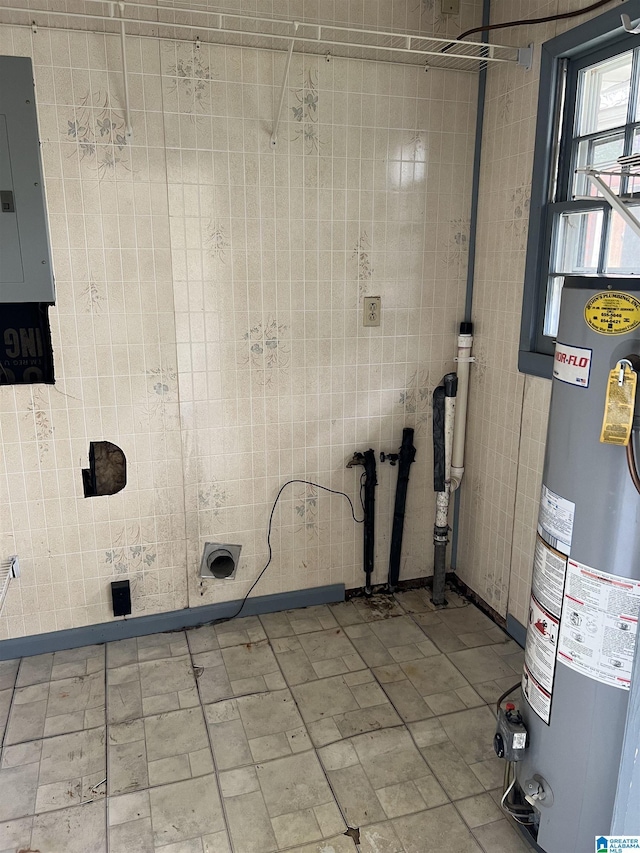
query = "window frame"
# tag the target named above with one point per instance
(556, 110)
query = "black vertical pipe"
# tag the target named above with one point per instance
(439, 536)
(370, 483)
(405, 458)
(438, 439)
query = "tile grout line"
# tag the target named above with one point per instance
(451, 801)
(2, 752)
(11, 705)
(149, 787)
(106, 751)
(216, 772)
(313, 746)
(405, 726)
(401, 725)
(43, 738)
(487, 792)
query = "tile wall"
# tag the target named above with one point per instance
(208, 316)
(508, 411)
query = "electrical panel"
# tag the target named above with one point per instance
(26, 273)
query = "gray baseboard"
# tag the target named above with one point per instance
(516, 630)
(174, 620)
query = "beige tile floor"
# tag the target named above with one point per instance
(264, 734)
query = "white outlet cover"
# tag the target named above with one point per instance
(372, 310)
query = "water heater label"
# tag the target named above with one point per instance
(599, 624)
(538, 698)
(549, 570)
(555, 520)
(572, 365)
(612, 313)
(540, 658)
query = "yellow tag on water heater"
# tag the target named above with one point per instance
(612, 313)
(619, 406)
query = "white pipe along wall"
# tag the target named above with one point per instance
(464, 360)
(442, 498)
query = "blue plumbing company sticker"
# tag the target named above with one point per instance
(617, 843)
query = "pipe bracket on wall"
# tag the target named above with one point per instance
(628, 26)
(525, 56)
(276, 123)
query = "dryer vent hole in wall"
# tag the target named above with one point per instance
(219, 561)
(210, 547)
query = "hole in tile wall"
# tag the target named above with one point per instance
(107, 471)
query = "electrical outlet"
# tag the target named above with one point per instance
(372, 311)
(450, 7)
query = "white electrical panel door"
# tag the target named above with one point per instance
(26, 274)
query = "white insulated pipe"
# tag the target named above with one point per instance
(464, 360)
(442, 498)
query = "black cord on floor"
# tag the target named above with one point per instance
(505, 694)
(273, 509)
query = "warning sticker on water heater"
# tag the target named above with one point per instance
(545, 606)
(540, 658)
(555, 520)
(538, 698)
(549, 569)
(572, 365)
(599, 624)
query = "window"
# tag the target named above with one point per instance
(588, 115)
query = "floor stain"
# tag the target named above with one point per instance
(383, 605)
